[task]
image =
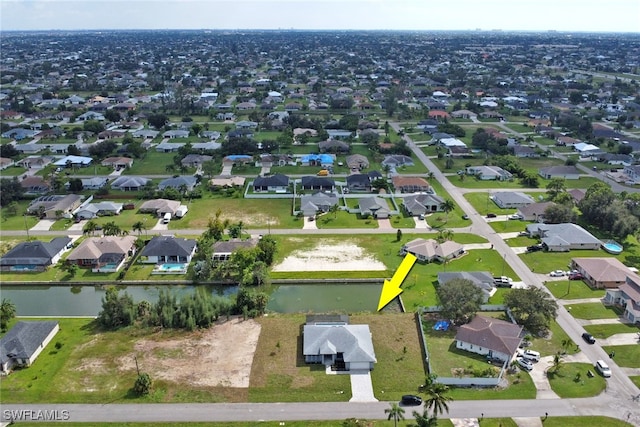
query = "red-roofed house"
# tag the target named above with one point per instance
(488, 336)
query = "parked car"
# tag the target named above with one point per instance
(503, 282)
(588, 338)
(491, 215)
(524, 364)
(523, 234)
(411, 400)
(575, 276)
(531, 355)
(465, 216)
(534, 248)
(514, 216)
(557, 273)
(603, 368)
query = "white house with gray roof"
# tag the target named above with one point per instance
(563, 237)
(336, 343)
(24, 342)
(168, 249)
(376, 207)
(511, 199)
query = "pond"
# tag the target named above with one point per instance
(85, 300)
(325, 298)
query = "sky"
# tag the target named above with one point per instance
(506, 15)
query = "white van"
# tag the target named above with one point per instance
(531, 355)
(166, 218)
(603, 368)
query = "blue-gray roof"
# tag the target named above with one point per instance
(169, 245)
(34, 252)
(22, 341)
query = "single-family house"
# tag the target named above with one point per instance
(633, 172)
(359, 182)
(6, 162)
(318, 183)
(168, 249)
(94, 183)
(73, 161)
(227, 182)
(311, 204)
(429, 250)
(35, 185)
(422, 203)
(481, 279)
(118, 163)
(169, 147)
(563, 237)
(184, 182)
(34, 255)
(627, 296)
(51, 207)
(129, 183)
(586, 149)
(534, 211)
(576, 194)
(410, 184)
(246, 124)
(93, 210)
(566, 172)
(374, 206)
(397, 160)
(489, 173)
(331, 341)
(463, 114)
(616, 159)
(333, 146)
(35, 162)
(145, 133)
(603, 272)
(488, 336)
(222, 250)
(357, 162)
(24, 342)
(105, 254)
(194, 160)
(277, 183)
(324, 160)
(511, 199)
(176, 133)
(19, 134)
(339, 133)
(160, 207)
(523, 151)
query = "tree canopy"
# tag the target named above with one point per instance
(532, 308)
(460, 300)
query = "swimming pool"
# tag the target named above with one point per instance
(171, 268)
(612, 247)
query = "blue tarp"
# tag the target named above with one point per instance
(441, 325)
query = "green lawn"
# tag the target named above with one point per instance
(95, 170)
(584, 421)
(573, 289)
(636, 380)
(627, 356)
(343, 219)
(442, 220)
(509, 226)
(19, 221)
(12, 171)
(567, 384)
(153, 163)
(552, 344)
(483, 204)
(605, 331)
(521, 242)
(591, 311)
(546, 262)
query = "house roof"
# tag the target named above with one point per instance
(95, 247)
(317, 181)
(430, 248)
(358, 179)
(559, 170)
(562, 234)
(315, 200)
(493, 334)
(178, 181)
(276, 180)
(353, 341)
(632, 288)
(169, 245)
(22, 341)
(160, 205)
(54, 202)
(227, 182)
(511, 197)
(35, 250)
(409, 181)
(229, 246)
(74, 160)
(129, 181)
(418, 202)
(604, 269)
(482, 279)
(536, 209)
(371, 204)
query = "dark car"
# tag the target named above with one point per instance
(588, 338)
(491, 215)
(534, 248)
(411, 400)
(575, 276)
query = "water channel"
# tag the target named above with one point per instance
(87, 300)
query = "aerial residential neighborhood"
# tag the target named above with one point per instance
(214, 216)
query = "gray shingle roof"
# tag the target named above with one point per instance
(35, 252)
(23, 339)
(354, 341)
(169, 245)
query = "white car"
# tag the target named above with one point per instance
(603, 368)
(524, 364)
(531, 355)
(514, 216)
(557, 273)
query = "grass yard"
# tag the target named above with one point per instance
(403, 220)
(521, 242)
(595, 310)
(343, 219)
(509, 226)
(483, 204)
(545, 262)
(552, 345)
(12, 171)
(441, 220)
(636, 380)
(153, 163)
(497, 422)
(57, 274)
(19, 221)
(573, 289)
(607, 330)
(627, 356)
(572, 381)
(95, 170)
(583, 421)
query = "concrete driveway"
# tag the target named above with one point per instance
(43, 225)
(361, 387)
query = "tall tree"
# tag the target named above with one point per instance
(447, 206)
(424, 419)
(460, 300)
(7, 312)
(532, 308)
(138, 227)
(555, 187)
(437, 398)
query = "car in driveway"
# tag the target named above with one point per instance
(557, 273)
(411, 400)
(524, 364)
(503, 282)
(575, 276)
(531, 355)
(491, 215)
(534, 248)
(515, 217)
(588, 338)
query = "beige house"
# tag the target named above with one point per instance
(103, 254)
(602, 273)
(431, 250)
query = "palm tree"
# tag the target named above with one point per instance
(90, 227)
(437, 398)
(395, 412)
(7, 312)
(447, 206)
(557, 363)
(424, 419)
(334, 210)
(430, 176)
(138, 226)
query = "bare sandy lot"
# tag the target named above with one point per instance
(327, 256)
(219, 356)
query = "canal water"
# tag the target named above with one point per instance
(87, 300)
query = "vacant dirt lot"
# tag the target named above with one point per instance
(343, 256)
(218, 356)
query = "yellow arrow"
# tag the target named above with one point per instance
(391, 289)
